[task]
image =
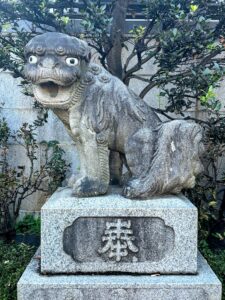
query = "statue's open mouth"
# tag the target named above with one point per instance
(51, 93)
(50, 87)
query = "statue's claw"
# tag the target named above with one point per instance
(130, 190)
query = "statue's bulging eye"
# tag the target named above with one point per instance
(32, 59)
(72, 61)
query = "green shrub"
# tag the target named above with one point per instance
(216, 260)
(29, 224)
(15, 257)
(22, 181)
(13, 261)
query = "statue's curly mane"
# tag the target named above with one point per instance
(106, 97)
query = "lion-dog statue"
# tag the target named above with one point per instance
(102, 114)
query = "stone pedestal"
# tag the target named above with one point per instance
(204, 286)
(113, 248)
(114, 234)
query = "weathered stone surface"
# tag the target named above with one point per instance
(204, 286)
(115, 234)
(102, 115)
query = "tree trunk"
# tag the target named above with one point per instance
(114, 61)
(114, 58)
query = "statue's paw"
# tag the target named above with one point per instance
(87, 187)
(131, 190)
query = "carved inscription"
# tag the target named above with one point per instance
(118, 238)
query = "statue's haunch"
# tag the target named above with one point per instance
(101, 114)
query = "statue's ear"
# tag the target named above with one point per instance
(84, 51)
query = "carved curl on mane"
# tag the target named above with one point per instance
(103, 101)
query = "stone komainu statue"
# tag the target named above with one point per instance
(102, 114)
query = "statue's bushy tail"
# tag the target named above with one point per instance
(176, 160)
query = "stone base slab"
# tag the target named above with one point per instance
(114, 234)
(204, 286)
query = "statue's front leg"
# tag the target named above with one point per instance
(94, 155)
(82, 167)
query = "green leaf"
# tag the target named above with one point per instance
(193, 7)
(65, 20)
(175, 31)
(218, 106)
(6, 26)
(207, 71)
(201, 19)
(212, 203)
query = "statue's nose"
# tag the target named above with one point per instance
(48, 62)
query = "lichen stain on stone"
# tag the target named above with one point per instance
(173, 148)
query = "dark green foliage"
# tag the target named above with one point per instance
(15, 257)
(216, 260)
(13, 261)
(29, 224)
(55, 166)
